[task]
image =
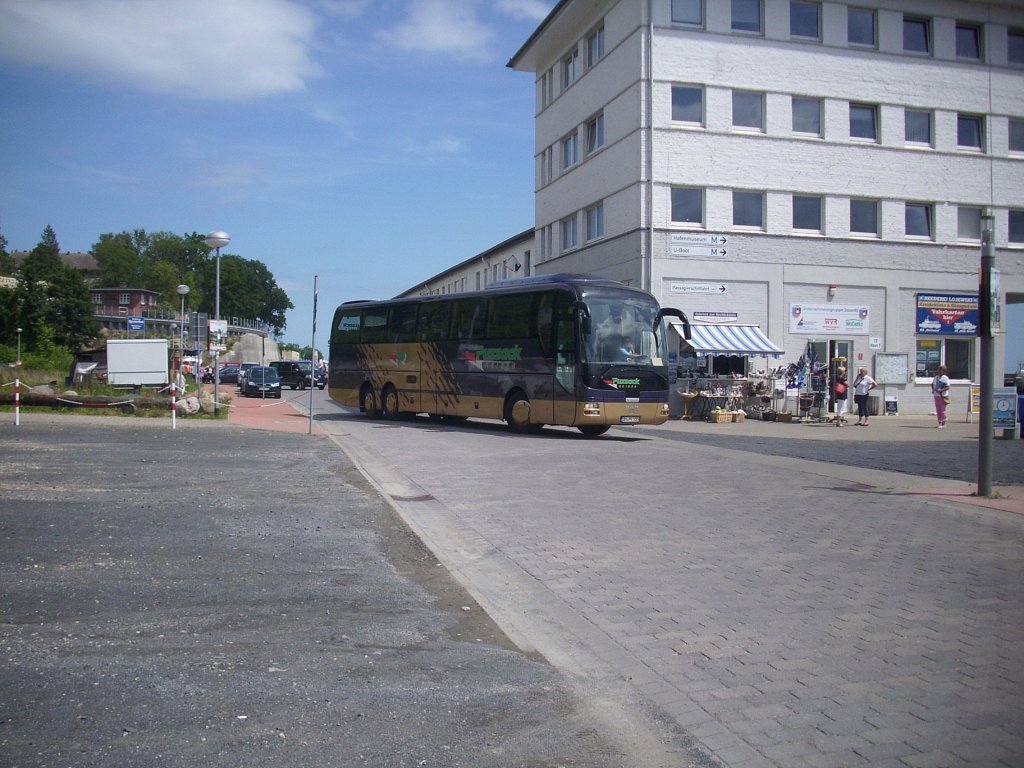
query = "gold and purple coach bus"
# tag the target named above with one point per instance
(568, 350)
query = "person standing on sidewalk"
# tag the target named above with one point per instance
(940, 392)
(840, 388)
(861, 386)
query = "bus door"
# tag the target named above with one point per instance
(565, 332)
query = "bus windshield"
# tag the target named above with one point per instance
(622, 332)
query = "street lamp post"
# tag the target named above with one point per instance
(217, 239)
(183, 292)
(18, 361)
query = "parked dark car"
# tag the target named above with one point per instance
(228, 374)
(243, 371)
(261, 382)
(299, 374)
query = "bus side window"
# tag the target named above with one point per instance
(434, 320)
(375, 325)
(545, 323)
(402, 323)
(469, 319)
(565, 330)
(346, 326)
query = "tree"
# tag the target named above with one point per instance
(7, 265)
(247, 290)
(44, 260)
(120, 259)
(69, 310)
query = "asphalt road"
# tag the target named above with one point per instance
(220, 596)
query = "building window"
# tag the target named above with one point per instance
(918, 127)
(807, 213)
(746, 16)
(968, 41)
(1016, 235)
(595, 134)
(124, 298)
(805, 20)
(688, 12)
(861, 26)
(570, 150)
(547, 88)
(807, 116)
(687, 205)
(545, 244)
(569, 69)
(916, 35)
(688, 104)
(864, 217)
(863, 122)
(1016, 135)
(917, 219)
(968, 223)
(595, 221)
(955, 354)
(970, 131)
(748, 110)
(748, 209)
(569, 237)
(547, 166)
(595, 46)
(1015, 46)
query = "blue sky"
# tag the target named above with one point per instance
(373, 143)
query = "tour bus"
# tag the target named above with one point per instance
(569, 350)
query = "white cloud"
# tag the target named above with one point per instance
(525, 10)
(229, 49)
(442, 26)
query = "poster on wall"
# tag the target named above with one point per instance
(829, 319)
(947, 314)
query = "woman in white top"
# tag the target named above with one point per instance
(861, 386)
(940, 391)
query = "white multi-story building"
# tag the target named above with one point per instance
(820, 169)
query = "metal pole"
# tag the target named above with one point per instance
(216, 352)
(987, 349)
(312, 361)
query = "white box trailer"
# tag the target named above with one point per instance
(137, 362)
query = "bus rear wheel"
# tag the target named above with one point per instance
(371, 406)
(593, 430)
(389, 402)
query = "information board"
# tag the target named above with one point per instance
(892, 368)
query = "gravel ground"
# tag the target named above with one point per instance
(229, 597)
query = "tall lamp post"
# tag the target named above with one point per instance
(217, 239)
(183, 292)
(18, 361)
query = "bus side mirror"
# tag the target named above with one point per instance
(671, 312)
(586, 326)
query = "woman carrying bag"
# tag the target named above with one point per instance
(940, 391)
(861, 386)
(841, 396)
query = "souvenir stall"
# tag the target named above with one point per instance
(713, 370)
(807, 383)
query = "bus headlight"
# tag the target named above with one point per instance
(591, 409)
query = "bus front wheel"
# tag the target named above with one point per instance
(371, 406)
(593, 430)
(517, 414)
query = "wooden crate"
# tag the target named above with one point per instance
(720, 418)
(739, 418)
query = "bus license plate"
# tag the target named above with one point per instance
(629, 419)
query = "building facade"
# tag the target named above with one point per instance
(823, 170)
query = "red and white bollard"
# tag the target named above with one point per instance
(174, 409)
(17, 402)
